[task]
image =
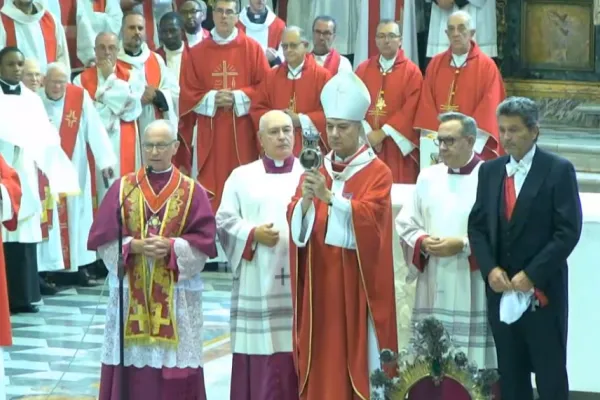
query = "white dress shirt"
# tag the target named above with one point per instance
(520, 169)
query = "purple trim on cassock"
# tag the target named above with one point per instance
(271, 168)
(153, 383)
(261, 377)
(467, 169)
(199, 229)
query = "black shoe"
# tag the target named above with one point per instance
(83, 278)
(30, 309)
(47, 289)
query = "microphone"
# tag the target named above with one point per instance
(124, 395)
(111, 174)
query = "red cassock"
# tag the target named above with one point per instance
(10, 179)
(302, 96)
(224, 141)
(400, 90)
(336, 290)
(275, 32)
(475, 90)
(183, 158)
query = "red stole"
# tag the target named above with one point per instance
(48, 27)
(148, 11)
(151, 316)
(153, 77)
(332, 61)
(69, 129)
(89, 80)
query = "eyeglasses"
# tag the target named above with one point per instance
(448, 141)
(229, 12)
(158, 146)
(389, 36)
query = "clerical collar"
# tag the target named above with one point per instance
(53, 100)
(467, 168)
(132, 54)
(176, 51)
(386, 64)
(221, 40)
(10, 88)
(257, 18)
(278, 166)
(297, 70)
(162, 172)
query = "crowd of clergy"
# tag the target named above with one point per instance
(183, 142)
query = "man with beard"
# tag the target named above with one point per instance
(193, 13)
(324, 29)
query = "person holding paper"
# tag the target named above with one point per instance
(525, 222)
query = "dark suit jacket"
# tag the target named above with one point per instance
(544, 228)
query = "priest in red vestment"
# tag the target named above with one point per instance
(295, 87)
(219, 84)
(323, 30)
(169, 233)
(10, 202)
(463, 79)
(341, 256)
(262, 25)
(394, 83)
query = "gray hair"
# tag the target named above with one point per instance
(521, 107)
(264, 120)
(325, 18)
(299, 31)
(57, 66)
(162, 124)
(466, 16)
(468, 124)
(106, 33)
(388, 21)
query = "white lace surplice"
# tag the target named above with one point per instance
(187, 307)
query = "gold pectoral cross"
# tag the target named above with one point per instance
(379, 110)
(292, 105)
(225, 71)
(450, 106)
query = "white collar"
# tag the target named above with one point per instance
(459, 60)
(253, 26)
(359, 162)
(467, 163)
(11, 87)
(386, 64)
(10, 10)
(297, 70)
(524, 165)
(171, 52)
(138, 60)
(221, 40)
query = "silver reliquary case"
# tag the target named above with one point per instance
(311, 156)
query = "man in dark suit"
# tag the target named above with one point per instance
(526, 250)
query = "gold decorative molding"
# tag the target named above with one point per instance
(545, 89)
(501, 25)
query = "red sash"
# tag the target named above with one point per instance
(99, 6)
(89, 80)
(48, 31)
(332, 62)
(151, 318)
(153, 78)
(69, 129)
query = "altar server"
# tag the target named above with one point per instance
(72, 112)
(341, 255)
(252, 227)
(262, 25)
(449, 284)
(525, 222)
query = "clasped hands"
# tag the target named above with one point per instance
(266, 235)
(442, 247)
(153, 246)
(499, 282)
(224, 98)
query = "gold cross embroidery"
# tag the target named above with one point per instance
(158, 320)
(140, 317)
(71, 118)
(450, 106)
(292, 105)
(224, 71)
(379, 110)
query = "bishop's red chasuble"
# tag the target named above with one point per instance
(330, 352)
(10, 179)
(225, 140)
(474, 89)
(301, 96)
(394, 100)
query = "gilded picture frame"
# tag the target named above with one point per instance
(558, 35)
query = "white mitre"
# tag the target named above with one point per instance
(346, 97)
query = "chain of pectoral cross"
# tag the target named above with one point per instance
(450, 106)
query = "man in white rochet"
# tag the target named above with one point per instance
(116, 93)
(433, 226)
(254, 233)
(262, 25)
(72, 113)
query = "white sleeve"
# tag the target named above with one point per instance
(109, 253)
(207, 106)
(5, 204)
(241, 103)
(302, 225)
(62, 54)
(190, 261)
(480, 141)
(306, 123)
(96, 136)
(405, 145)
(86, 36)
(340, 230)
(122, 98)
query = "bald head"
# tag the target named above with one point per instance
(32, 74)
(460, 31)
(276, 134)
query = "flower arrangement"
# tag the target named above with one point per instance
(431, 355)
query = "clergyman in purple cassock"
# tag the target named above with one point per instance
(169, 232)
